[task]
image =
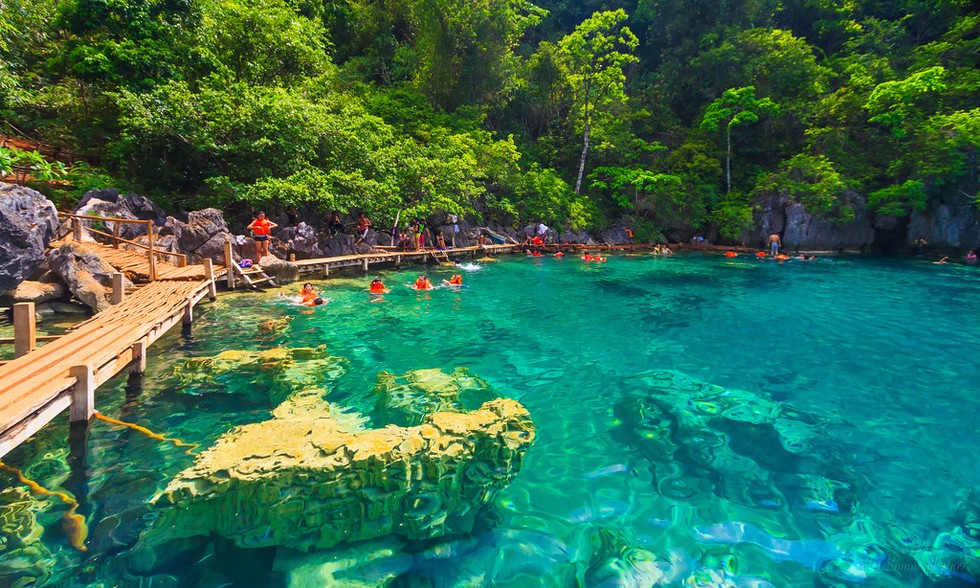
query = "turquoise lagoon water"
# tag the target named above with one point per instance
(700, 422)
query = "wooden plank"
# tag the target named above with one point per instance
(33, 423)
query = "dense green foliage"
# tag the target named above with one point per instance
(676, 113)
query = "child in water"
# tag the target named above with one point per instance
(378, 287)
(422, 283)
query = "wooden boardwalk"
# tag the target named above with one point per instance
(135, 265)
(64, 374)
(364, 260)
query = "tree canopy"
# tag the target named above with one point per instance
(680, 115)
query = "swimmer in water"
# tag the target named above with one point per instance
(422, 283)
(456, 281)
(309, 296)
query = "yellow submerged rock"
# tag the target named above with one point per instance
(312, 477)
(274, 373)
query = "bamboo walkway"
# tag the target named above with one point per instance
(64, 374)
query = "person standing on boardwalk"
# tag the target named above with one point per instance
(774, 244)
(261, 228)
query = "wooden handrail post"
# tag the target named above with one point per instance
(118, 287)
(230, 265)
(25, 332)
(209, 276)
(153, 259)
(139, 357)
(115, 235)
(189, 311)
(365, 265)
(83, 398)
(76, 229)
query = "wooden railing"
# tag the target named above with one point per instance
(152, 254)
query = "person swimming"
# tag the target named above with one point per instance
(377, 287)
(456, 281)
(422, 283)
(309, 296)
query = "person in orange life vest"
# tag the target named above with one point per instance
(455, 281)
(422, 283)
(537, 240)
(261, 228)
(309, 297)
(378, 287)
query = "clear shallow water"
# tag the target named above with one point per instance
(700, 422)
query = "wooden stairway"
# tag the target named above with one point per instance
(441, 257)
(254, 276)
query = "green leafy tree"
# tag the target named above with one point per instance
(810, 180)
(594, 57)
(898, 105)
(646, 193)
(733, 216)
(951, 145)
(736, 107)
(899, 199)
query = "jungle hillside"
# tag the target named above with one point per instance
(668, 116)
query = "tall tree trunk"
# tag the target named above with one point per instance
(585, 149)
(728, 160)
(581, 162)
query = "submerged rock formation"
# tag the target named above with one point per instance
(406, 400)
(24, 559)
(272, 374)
(308, 478)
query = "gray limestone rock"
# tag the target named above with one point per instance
(203, 236)
(300, 240)
(87, 276)
(27, 224)
(799, 228)
(111, 203)
(283, 271)
(951, 222)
